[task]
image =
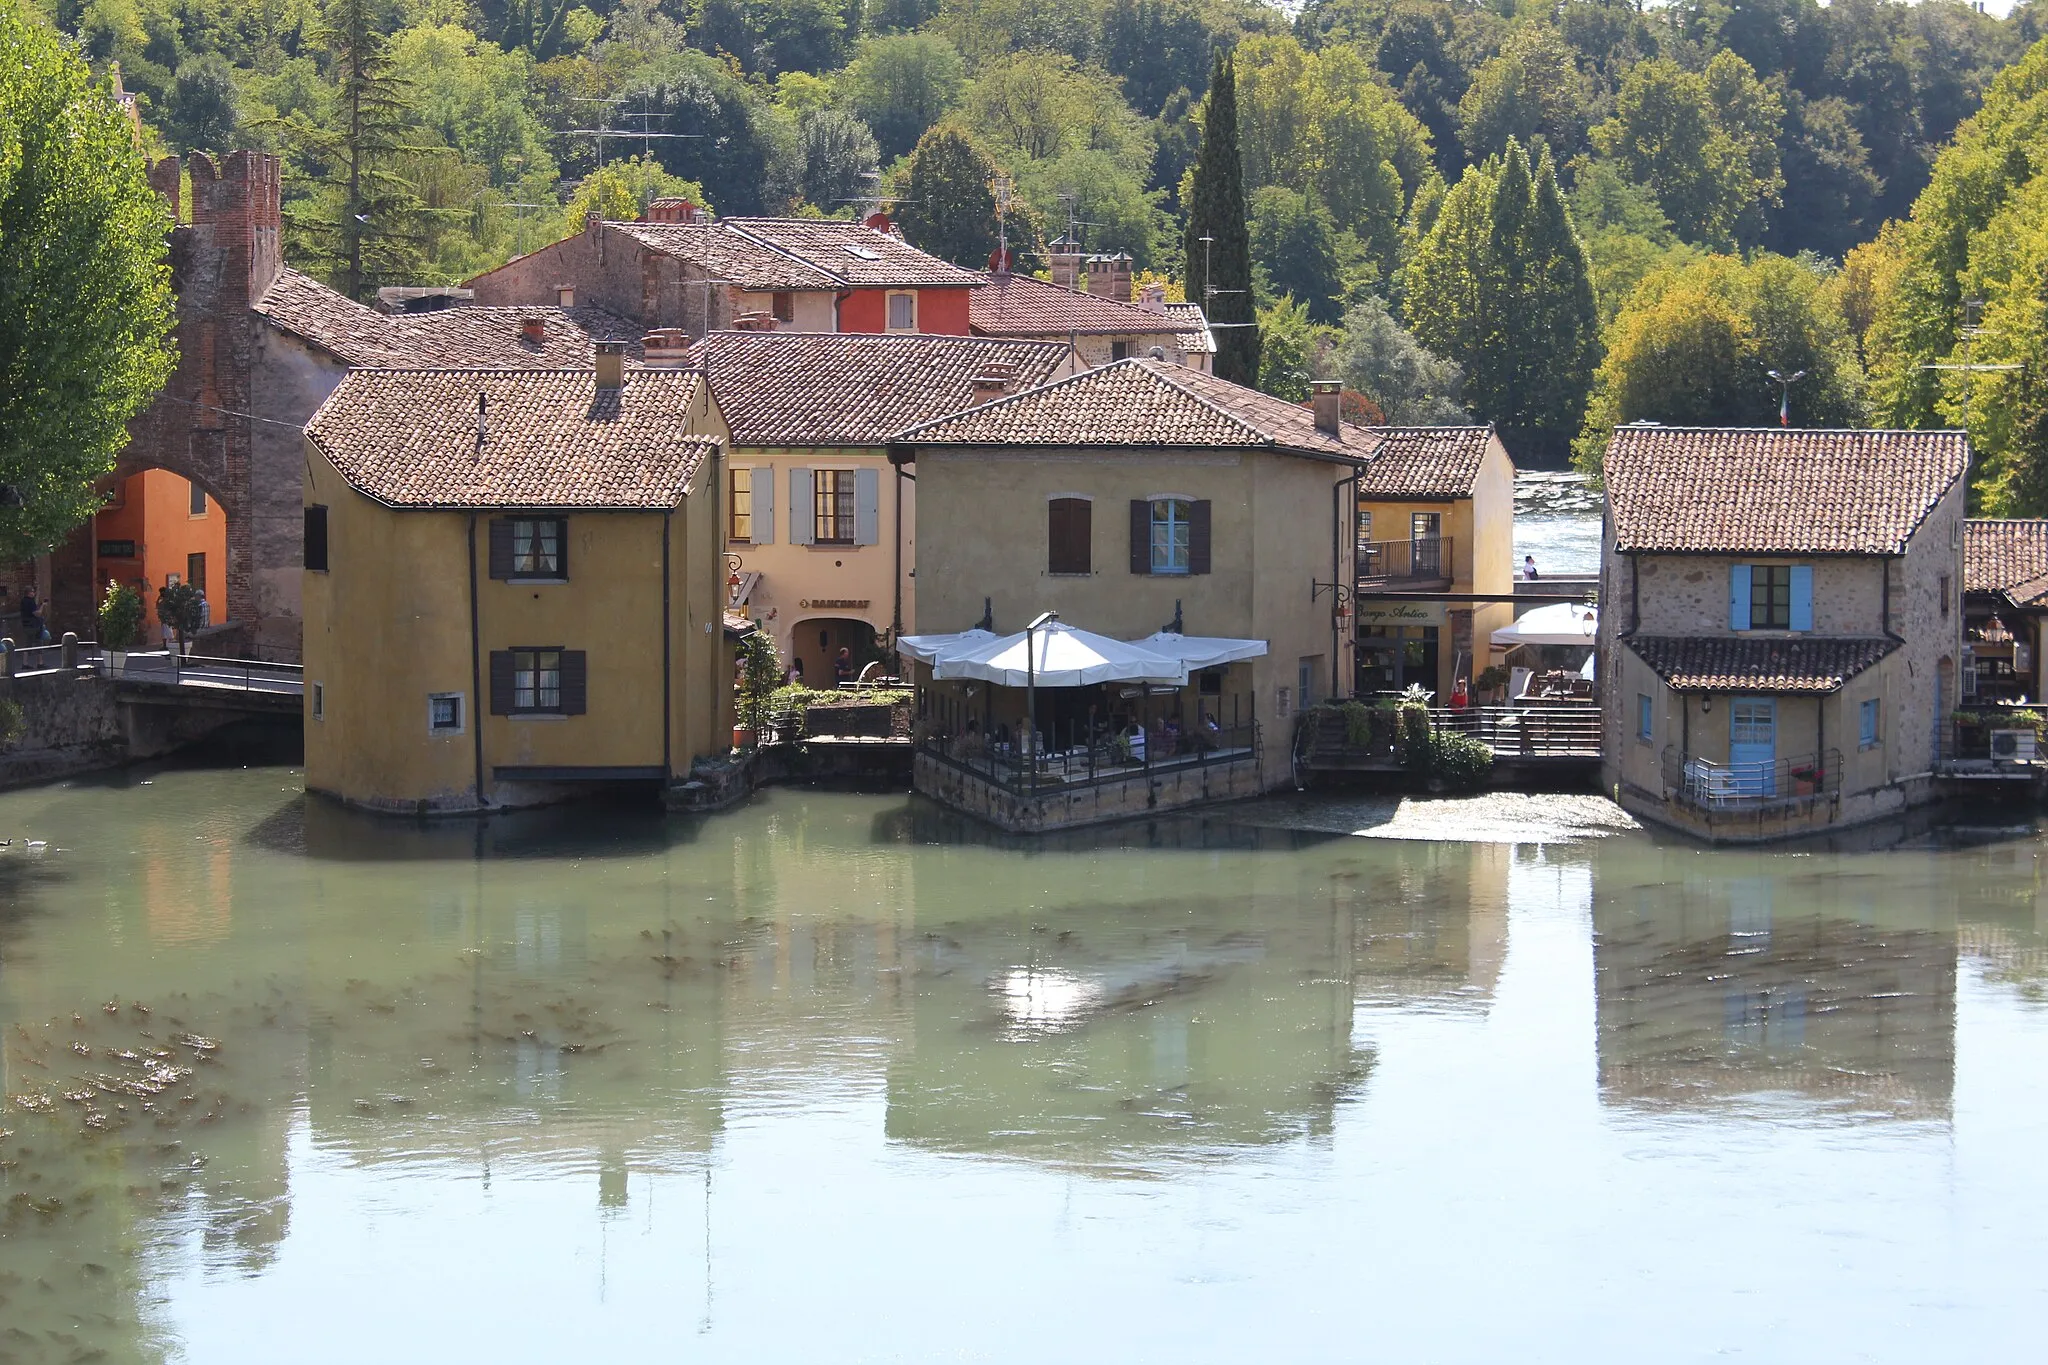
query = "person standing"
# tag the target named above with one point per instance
(842, 666)
(32, 631)
(1529, 567)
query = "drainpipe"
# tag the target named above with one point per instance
(478, 708)
(668, 764)
(896, 610)
(1337, 588)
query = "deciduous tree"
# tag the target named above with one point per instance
(948, 204)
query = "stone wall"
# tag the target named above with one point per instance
(78, 722)
(1065, 808)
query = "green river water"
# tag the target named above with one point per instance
(836, 1078)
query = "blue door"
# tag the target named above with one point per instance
(1753, 746)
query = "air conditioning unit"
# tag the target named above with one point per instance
(2013, 744)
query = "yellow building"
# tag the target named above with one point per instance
(1436, 516)
(818, 518)
(1136, 499)
(513, 584)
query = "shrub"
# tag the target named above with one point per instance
(1358, 726)
(120, 617)
(13, 725)
(1459, 763)
(1413, 741)
(759, 681)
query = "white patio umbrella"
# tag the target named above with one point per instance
(927, 648)
(1561, 623)
(1201, 651)
(1059, 656)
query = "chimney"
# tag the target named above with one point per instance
(591, 221)
(565, 296)
(755, 321)
(611, 365)
(533, 331)
(1326, 396)
(991, 383)
(1152, 298)
(670, 208)
(666, 347)
(1109, 277)
(1066, 264)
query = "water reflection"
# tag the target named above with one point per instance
(668, 1068)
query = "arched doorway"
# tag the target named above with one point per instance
(817, 641)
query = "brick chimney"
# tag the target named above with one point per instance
(1326, 397)
(755, 321)
(533, 331)
(1066, 263)
(670, 208)
(991, 383)
(1152, 298)
(611, 365)
(666, 347)
(1109, 277)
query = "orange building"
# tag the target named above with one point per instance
(159, 524)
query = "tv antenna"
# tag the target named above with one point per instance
(1972, 328)
(605, 130)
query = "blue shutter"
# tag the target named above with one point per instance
(1802, 597)
(867, 507)
(1738, 597)
(803, 526)
(763, 483)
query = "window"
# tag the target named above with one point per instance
(1069, 535)
(903, 312)
(319, 701)
(1170, 538)
(1425, 526)
(1119, 350)
(1944, 597)
(1645, 714)
(832, 500)
(195, 571)
(741, 501)
(530, 547)
(1364, 524)
(444, 713)
(1866, 724)
(117, 549)
(316, 538)
(198, 501)
(539, 680)
(1770, 597)
(784, 306)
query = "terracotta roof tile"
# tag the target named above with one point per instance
(853, 388)
(1425, 462)
(1766, 490)
(1142, 403)
(2009, 557)
(449, 338)
(1197, 339)
(854, 252)
(1748, 664)
(1020, 305)
(408, 438)
(730, 256)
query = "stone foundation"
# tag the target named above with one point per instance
(1141, 794)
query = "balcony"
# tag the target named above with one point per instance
(1419, 564)
(1712, 787)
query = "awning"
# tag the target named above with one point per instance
(927, 648)
(1060, 656)
(1561, 623)
(1201, 651)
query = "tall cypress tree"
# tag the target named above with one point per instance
(1565, 320)
(1218, 243)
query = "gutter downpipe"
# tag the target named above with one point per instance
(476, 669)
(1337, 573)
(668, 766)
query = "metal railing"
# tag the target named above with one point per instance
(1999, 736)
(48, 658)
(1709, 786)
(199, 670)
(951, 731)
(1384, 562)
(1525, 732)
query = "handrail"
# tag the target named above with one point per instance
(1711, 786)
(1381, 561)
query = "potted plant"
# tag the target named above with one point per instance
(760, 674)
(1492, 681)
(182, 607)
(120, 623)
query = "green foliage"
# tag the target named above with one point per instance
(622, 191)
(1500, 286)
(85, 299)
(839, 161)
(760, 679)
(1381, 359)
(13, 723)
(900, 85)
(1412, 734)
(1692, 346)
(1358, 726)
(202, 109)
(1294, 349)
(120, 613)
(1704, 142)
(182, 607)
(1294, 251)
(948, 206)
(1217, 245)
(1458, 762)
(737, 138)
(1532, 91)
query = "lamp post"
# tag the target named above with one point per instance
(1785, 383)
(1030, 744)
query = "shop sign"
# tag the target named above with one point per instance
(1382, 615)
(834, 604)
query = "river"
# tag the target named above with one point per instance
(834, 1078)
(1557, 519)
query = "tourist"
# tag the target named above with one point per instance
(1529, 567)
(842, 667)
(32, 631)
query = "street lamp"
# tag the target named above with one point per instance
(1785, 383)
(1030, 744)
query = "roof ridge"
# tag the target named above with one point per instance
(781, 251)
(1798, 431)
(1211, 404)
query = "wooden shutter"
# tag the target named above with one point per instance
(1802, 597)
(561, 547)
(501, 682)
(763, 483)
(1198, 536)
(867, 507)
(316, 538)
(1068, 535)
(803, 513)
(1738, 597)
(575, 682)
(501, 547)
(1141, 536)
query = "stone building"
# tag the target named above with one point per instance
(1781, 624)
(1101, 320)
(679, 269)
(259, 347)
